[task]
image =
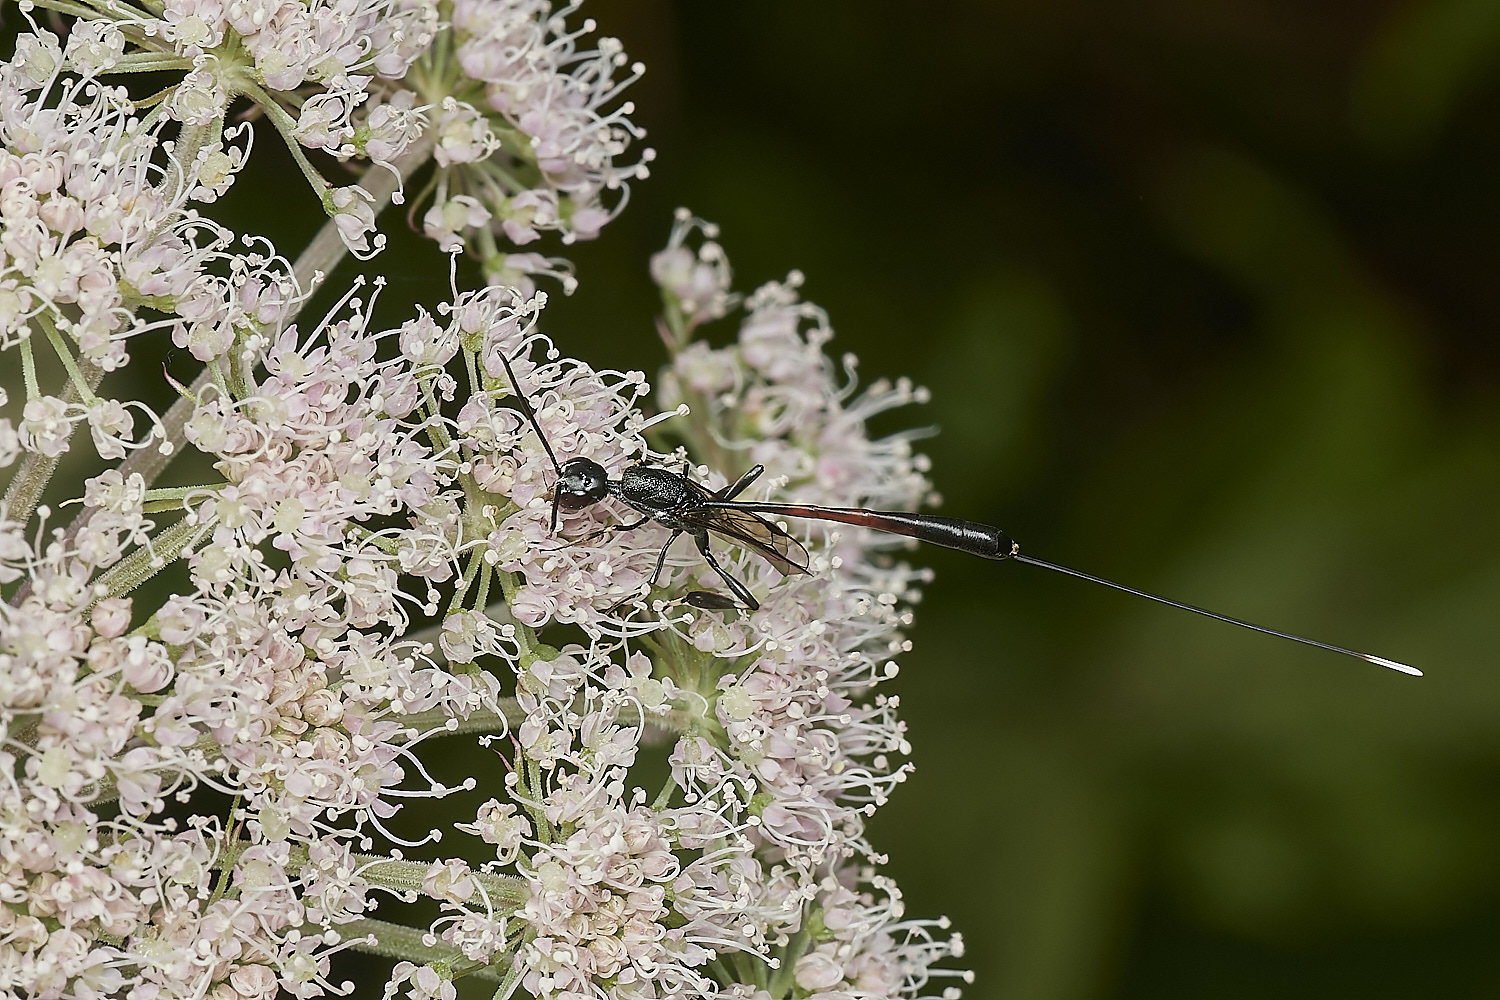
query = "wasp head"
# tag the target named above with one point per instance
(580, 482)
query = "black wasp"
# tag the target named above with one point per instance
(686, 508)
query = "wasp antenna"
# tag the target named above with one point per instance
(531, 416)
(1377, 660)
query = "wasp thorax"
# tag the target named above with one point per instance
(581, 482)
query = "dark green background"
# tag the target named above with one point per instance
(1205, 294)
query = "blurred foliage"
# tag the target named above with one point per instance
(1205, 293)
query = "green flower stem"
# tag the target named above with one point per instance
(526, 638)
(225, 881)
(664, 797)
(287, 126)
(534, 792)
(502, 179)
(365, 536)
(144, 563)
(675, 321)
(35, 472)
(782, 979)
(327, 248)
(150, 62)
(65, 354)
(476, 559)
(156, 103)
(220, 377)
(471, 368)
(28, 370)
(408, 943)
(183, 163)
(438, 59)
(482, 721)
(489, 250)
(509, 983)
(174, 498)
(504, 891)
(435, 429)
(486, 574)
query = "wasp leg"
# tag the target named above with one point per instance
(661, 560)
(707, 600)
(740, 590)
(736, 488)
(606, 530)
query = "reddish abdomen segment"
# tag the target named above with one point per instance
(950, 532)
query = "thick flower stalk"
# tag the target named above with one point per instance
(216, 698)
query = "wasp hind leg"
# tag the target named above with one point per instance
(737, 487)
(739, 589)
(707, 600)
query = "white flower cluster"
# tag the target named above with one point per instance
(189, 767)
(95, 227)
(285, 686)
(524, 123)
(545, 150)
(323, 71)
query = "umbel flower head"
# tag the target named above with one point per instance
(216, 697)
(530, 133)
(520, 114)
(363, 491)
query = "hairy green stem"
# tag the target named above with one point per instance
(409, 943)
(782, 979)
(150, 62)
(145, 562)
(480, 721)
(76, 377)
(28, 370)
(35, 473)
(504, 891)
(286, 125)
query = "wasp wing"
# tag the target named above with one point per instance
(755, 533)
